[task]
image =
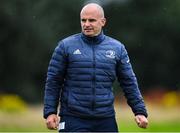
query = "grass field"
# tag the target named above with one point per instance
(160, 120)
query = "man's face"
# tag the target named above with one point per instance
(91, 22)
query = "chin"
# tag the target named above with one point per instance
(89, 34)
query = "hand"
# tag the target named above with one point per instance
(141, 121)
(52, 122)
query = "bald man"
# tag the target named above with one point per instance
(80, 75)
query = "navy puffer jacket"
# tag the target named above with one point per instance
(80, 77)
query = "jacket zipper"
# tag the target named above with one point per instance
(94, 78)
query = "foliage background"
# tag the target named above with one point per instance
(30, 30)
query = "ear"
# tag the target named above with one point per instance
(103, 21)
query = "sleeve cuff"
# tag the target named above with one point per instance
(46, 115)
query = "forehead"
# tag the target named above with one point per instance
(89, 15)
(91, 11)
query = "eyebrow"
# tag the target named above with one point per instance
(90, 20)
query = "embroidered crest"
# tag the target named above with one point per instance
(110, 54)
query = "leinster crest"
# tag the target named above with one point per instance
(110, 54)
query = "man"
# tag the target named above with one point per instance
(81, 73)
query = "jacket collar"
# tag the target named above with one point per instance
(93, 40)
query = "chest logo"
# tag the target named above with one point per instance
(77, 51)
(110, 54)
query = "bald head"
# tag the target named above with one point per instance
(93, 8)
(92, 19)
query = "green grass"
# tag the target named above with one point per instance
(172, 126)
(30, 127)
(168, 126)
(160, 120)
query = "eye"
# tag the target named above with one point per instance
(92, 20)
(83, 20)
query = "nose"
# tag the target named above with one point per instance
(86, 23)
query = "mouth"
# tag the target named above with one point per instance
(88, 28)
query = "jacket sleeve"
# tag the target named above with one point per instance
(54, 81)
(128, 83)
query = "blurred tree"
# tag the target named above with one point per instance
(150, 30)
(30, 30)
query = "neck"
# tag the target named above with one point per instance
(93, 39)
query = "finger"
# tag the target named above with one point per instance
(143, 125)
(137, 120)
(48, 124)
(56, 122)
(51, 125)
